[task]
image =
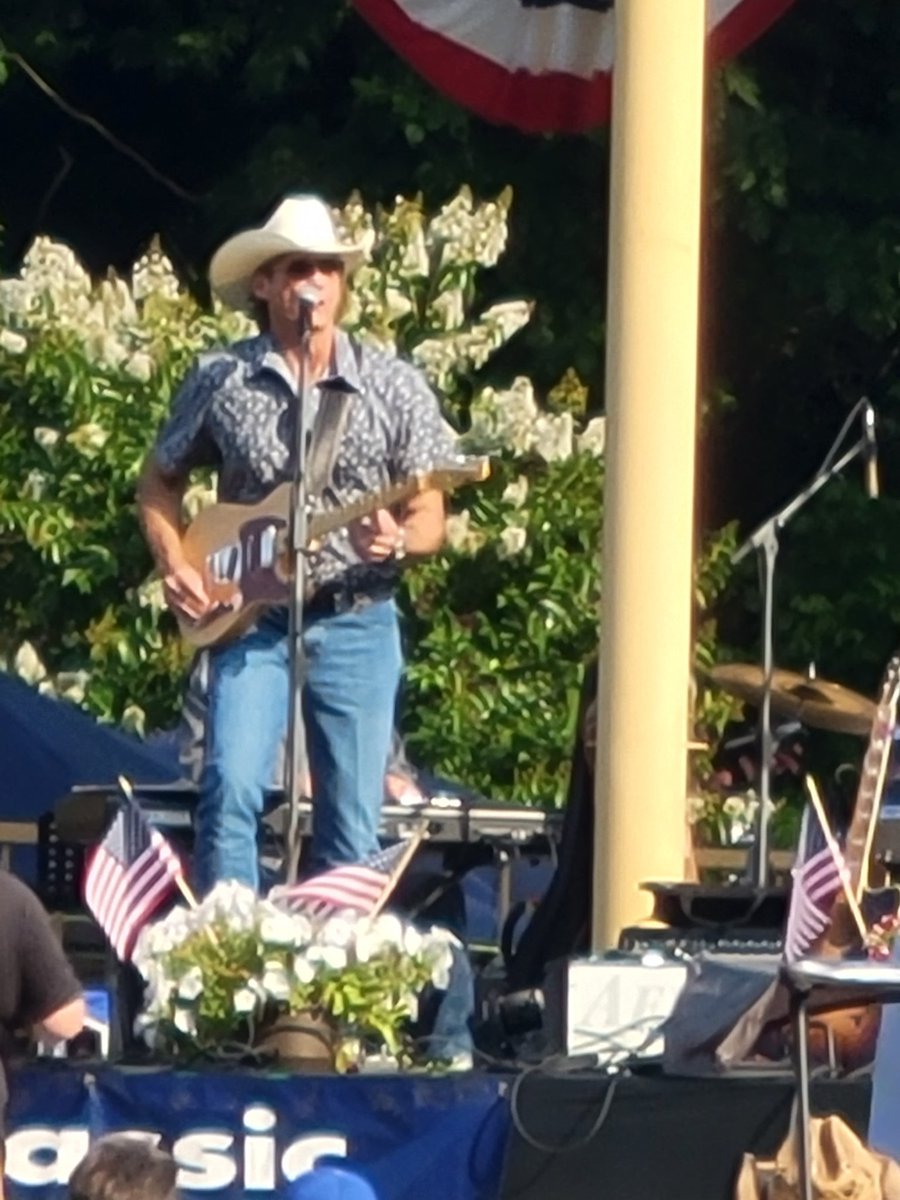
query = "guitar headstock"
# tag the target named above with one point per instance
(886, 712)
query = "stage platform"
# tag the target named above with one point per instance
(540, 1134)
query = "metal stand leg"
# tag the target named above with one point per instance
(800, 1024)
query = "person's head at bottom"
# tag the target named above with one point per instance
(331, 1183)
(120, 1166)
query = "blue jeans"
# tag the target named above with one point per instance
(352, 670)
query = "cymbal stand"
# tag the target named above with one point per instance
(764, 540)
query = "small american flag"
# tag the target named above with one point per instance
(817, 881)
(359, 886)
(130, 874)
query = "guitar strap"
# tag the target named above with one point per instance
(327, 435)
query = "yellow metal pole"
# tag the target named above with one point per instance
(651, 381)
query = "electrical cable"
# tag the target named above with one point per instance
(615, 1070)
(546, 1147)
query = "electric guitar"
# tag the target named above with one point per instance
(854, 1031)
(242, 554)
(841, 934)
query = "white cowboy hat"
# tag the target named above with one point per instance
(299, 225)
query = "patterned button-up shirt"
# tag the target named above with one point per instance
(236, 411)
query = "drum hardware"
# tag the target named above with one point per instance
(764, 542)
(804, 698)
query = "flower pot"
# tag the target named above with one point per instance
(304, 1041)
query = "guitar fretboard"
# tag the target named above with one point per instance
(858, 845)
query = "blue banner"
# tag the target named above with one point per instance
(233, 1133)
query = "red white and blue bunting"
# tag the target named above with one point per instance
(540, 65)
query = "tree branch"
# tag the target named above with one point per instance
(93, 123)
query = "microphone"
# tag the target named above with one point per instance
(870, 451)
(308, 296)
(307, 299)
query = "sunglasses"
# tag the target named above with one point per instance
(300, 268)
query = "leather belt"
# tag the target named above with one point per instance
(329, 600)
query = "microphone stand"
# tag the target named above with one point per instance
(296, 758)
(764, 539)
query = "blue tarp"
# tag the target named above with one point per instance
(48, 746)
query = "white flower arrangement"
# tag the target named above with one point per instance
(215, 975)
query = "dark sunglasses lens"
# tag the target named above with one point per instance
(299, 268)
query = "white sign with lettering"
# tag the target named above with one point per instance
(615, 1009)
(209, 1160)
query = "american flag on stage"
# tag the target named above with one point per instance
(132, 871)
(817, 881)
(352, 885)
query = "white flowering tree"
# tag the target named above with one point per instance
(87, 370)
(499, 625)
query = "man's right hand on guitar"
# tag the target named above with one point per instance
(185, 593)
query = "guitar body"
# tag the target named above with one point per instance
(241, 551)
(846, 1038)
(849, 1036)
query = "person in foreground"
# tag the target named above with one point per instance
(121, 1166)
(37, 985)
(236, 411)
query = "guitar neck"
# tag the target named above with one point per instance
(444, 479)
(868, 802)
(858, 845)
(323, 523)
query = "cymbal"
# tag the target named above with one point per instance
(815, 702)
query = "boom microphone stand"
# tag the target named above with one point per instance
(764, 540)
(296, 759)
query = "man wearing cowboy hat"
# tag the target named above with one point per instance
(236, 411)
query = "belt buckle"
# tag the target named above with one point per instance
(357, 601)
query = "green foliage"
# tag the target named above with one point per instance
(805, 238)
(805, 258)
(504, 622)
(502, 627)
